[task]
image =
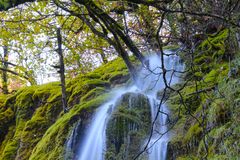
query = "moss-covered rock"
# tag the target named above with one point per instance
(128, 126)
(32, 124)
(208, 106)
(60, 130)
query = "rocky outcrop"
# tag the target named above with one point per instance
(128, 126)
(208, 124)
(32, 124)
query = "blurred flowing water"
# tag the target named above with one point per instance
(149, 82)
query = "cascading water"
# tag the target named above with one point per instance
(149, 83)
(94, 143)
(152, 83)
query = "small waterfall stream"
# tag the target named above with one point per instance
(149, 83)
(94, 143)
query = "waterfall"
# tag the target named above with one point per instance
(94, 143)
(149, 83)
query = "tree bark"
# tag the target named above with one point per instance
(124, 55)
(99, 15)
(103, 57)
(62, 70)
(4, 71)
(115, 43)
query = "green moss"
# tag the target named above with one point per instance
(219, 96)
(218, 112)
(32, 133)
(48, 92)
(214, 43)
(7, 138)
(93, 75)
(93, 93)
(24, 95)
(83, 87)
(129, 124)
(30, 124)
(6, 116)
(32, 118)
(113, 66)
(58, 131)
(6, 119)
(114, 75)
(23, 109)
(10, 150)
(193, 132)
(189, 157)
(116, 72)
(210, 52)
(3, 98)
(202, 59)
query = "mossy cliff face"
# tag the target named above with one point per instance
(32, 124)
(208, 115)
(128, 127)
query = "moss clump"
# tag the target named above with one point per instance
(214, 44)
(113, 66)
(93, 93)
(83, 87)
(219, 113)
(193, 132)
(7, 138)
(31, 118)
(115, 72)
(6, 117)
(3, 98)
(209, 52)
(47, 92)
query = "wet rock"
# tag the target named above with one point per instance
(128, 127)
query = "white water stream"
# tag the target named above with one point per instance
(149, 83)
(154, 83)
(94, 143)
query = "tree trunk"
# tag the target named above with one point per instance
(99, 15)
(103, 57)
(116, 42)
(124, 55)
(4, 72)
(62, 70)
(238, 35)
